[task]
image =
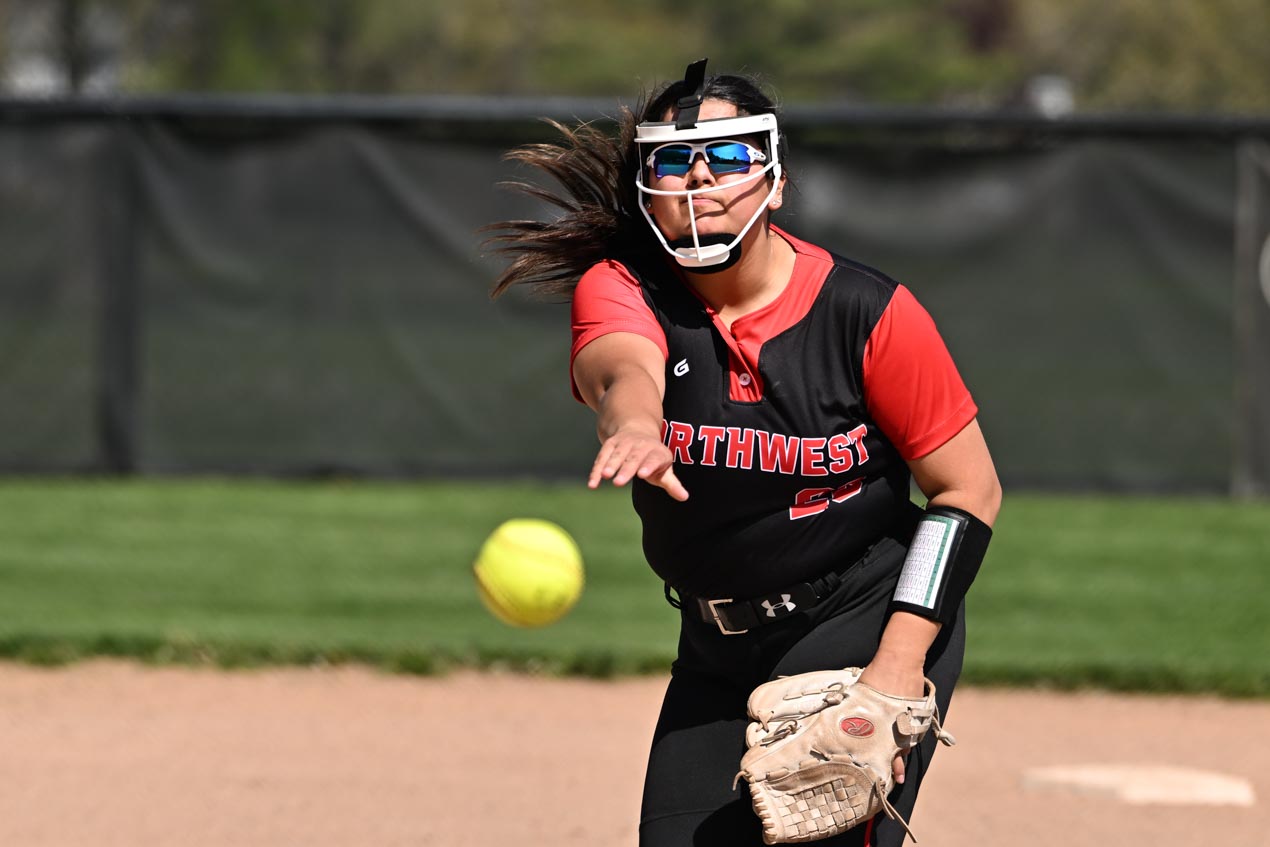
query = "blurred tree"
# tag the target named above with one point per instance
(234, 45)
(1118, 54)
(72, 42)
(57, 46)
(900, 51)
(833, 48)
(1153, 54)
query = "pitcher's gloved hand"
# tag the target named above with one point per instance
(820, 747)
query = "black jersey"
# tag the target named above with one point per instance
(775, 426)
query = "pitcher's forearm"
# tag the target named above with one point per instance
(631, 403)
(898, 666)
(906, 640)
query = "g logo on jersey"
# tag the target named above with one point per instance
(681, 367)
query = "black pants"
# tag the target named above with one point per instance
(700, 736)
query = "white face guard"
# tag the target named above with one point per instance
(653, 135)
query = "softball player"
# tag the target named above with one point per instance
(768, 401)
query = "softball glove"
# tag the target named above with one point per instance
(820, 747)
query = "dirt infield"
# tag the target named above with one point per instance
(109, 753)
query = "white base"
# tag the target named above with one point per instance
(1142, 785)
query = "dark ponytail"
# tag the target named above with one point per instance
(601, 217)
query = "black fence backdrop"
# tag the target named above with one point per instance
(296, 286)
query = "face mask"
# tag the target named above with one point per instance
(672, 151)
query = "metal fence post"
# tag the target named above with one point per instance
(119, 332)
(1250, 472)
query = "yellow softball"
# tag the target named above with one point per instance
(529, 572)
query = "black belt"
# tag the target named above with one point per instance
(734, 616)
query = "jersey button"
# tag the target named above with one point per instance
(744, 379)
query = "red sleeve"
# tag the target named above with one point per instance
(607, 299)
(911, 385)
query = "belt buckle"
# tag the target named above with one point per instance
(714, 612)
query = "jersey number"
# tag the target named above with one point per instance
(813, 501)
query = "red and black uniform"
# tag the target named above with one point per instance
(791, 430)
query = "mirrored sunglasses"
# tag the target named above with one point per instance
(723, 157)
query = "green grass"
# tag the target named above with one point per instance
(1126, 593)
(246, 572)
(1119, 593)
